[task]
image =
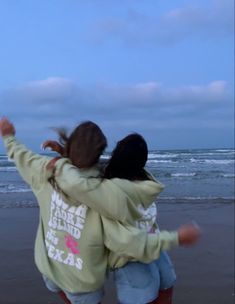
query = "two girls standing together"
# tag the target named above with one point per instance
(93, 220)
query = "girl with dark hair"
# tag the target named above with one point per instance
(135, 281)
(128, 159)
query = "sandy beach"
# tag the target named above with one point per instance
(205, 272)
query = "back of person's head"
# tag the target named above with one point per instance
(85, 144)
(128, 159)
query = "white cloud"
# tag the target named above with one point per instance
(197, 94)
(217, 87)
(119, 109)
(57, 99)
(40, 98)
(58, 95)
(170, 28)
(52, 89)
(157, 95)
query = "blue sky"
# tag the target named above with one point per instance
(160, 68)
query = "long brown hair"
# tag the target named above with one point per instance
(84, 145)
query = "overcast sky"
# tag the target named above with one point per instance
(160, 68)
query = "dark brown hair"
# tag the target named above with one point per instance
(85, 144)
(128, 159)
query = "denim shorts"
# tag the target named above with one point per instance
(77, 298)
(139, 283)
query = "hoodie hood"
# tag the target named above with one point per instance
(141, 192)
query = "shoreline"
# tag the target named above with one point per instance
(205, 272)
(27, 200)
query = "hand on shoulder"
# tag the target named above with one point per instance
(53, 145)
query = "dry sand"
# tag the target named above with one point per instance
(205, 272)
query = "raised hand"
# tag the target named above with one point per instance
(6, 127)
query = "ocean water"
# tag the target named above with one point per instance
(186, 174)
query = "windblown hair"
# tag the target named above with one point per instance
(84, 145)
(128, 159)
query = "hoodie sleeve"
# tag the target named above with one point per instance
(113, 198)
(30, 166)
(135, 243)
(102, 195)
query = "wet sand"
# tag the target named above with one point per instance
(205, 271)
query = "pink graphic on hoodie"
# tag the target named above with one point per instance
(71, 244)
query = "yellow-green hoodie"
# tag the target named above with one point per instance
(72, 245)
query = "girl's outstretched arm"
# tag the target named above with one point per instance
(128, 241)
(31, 166)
